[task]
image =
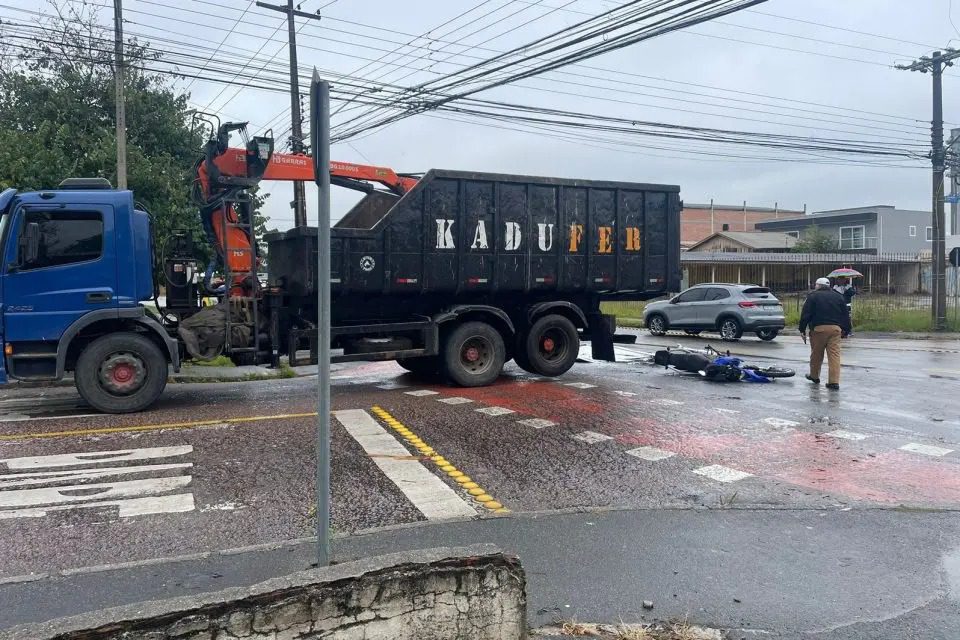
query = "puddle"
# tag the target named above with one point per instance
(951, 566)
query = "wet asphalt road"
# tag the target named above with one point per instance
(244, 474)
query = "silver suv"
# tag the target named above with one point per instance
(729, 309)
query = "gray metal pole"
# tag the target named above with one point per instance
(121, 116)
(321, 120)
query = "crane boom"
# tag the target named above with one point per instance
(225, 176)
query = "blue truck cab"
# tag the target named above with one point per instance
(75, 264)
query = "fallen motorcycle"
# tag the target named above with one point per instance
(718, 367)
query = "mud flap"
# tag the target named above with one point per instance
(602, 328)
(3, 362)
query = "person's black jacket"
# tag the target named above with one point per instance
(825, 306)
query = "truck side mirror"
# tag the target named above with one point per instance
(29, 243)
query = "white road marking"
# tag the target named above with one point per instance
(628, 394)
(21, 417)
(95, 457)
(422, 392)
(128, 508)
(85, 492)
(665, 402)
(843, 434)
(579, 385)
(781, 423)
(722, 474)
(46, 477)
(651, 454)
(390, 386)
(455, 400)
(591, 437)
(720, 410)
(140, 496)
(423, 489)
(537, 423)
(495, 411)
(926, 449)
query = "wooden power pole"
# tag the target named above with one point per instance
(296, 117)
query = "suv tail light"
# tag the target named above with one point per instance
(746, 304)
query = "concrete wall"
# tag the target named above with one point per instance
(896, 230)
(474, 592)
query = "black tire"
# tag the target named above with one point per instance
(730, 329)
(121, 373)
(657, 324)
(423, 366)
(774, 372)
(520, 355)
(692, 332)
(551, 346)
(768, 334)
(473, 354)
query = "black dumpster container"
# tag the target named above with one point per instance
(460, 235)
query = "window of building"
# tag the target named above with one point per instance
(929, 234)
(66, 237)
(913, 231)
(852, 237)
(793, 234)
(726, 227)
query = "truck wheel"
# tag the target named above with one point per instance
(520, 354)
(423, 366)
(121, 373)
(552, 345)
(473, 354)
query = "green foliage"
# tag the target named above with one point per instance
(815, 240)
(58, 104)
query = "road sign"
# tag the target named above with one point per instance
(952, 198)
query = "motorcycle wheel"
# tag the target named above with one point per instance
(773, 372)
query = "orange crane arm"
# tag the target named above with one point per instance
(288, 166)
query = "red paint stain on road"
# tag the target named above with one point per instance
(814, 461)
(548, 400)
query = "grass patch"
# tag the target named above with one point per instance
(624, 309)
(219, 361)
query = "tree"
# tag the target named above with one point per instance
(57, 103)
(815, 240)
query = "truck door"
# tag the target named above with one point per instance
(72, 272)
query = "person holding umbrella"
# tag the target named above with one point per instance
(825, 314)
(843, 284)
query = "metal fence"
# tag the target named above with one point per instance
(893, 294)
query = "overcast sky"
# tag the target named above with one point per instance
(819, 81)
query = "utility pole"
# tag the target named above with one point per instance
(299, 203)
(954, 164)
(935, 64)
(121, 107)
